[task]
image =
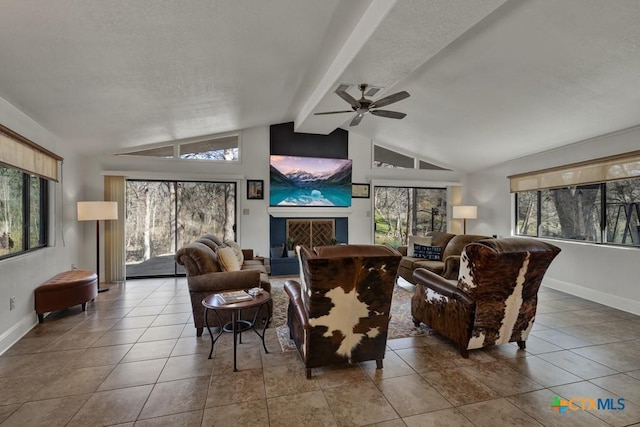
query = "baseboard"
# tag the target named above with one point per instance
(607, 299)
(17, 331)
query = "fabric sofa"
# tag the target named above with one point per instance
(339, 310)
(447, 267)
(204, 263)
(495, 296)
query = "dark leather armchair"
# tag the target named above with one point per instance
(495, 297)
(339, 312)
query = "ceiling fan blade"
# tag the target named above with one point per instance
(333, 112)
(388, 114)
(390, 99)
(356, 120)
(350, 99)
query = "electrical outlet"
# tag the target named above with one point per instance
(12, 303)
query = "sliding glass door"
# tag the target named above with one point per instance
(401, 212)
(162, 216)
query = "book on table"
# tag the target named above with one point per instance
(232, 297)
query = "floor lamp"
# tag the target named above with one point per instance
(96, 211)
(464, 213)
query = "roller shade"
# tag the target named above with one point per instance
(19, 152)
(604, 169)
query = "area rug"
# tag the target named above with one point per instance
(400, 325)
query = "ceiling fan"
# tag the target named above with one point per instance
(363, 105)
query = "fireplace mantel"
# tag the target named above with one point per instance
(308, 212)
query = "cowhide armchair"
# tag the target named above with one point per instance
(339, 312)
(494, 299)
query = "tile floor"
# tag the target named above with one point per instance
(133, 359)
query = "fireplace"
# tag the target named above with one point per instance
(310, 232)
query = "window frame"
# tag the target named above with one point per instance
(43, 200)
(603, 226)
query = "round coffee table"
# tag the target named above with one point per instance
(237, 324)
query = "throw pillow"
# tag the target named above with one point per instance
(433, 253)
(227, 259)
(417, 240)
(236, 249)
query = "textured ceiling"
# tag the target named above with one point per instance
(489, 80)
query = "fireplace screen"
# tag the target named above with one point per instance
(311, 232)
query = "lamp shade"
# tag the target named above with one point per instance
(465, 212)
(92, 211)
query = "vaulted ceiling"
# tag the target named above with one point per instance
(490, 80)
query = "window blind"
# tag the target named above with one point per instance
(621, 166)
(19, 152)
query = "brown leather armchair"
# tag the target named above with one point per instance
(205, 276)
(495, 297)
(448, 266)
(339, 312)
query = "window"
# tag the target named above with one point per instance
(408, 211)
(607, 212)
(595, 201)
(220, 148)
(387, 158)
(162, 216)
(23, 212)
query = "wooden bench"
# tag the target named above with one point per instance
(65, 290)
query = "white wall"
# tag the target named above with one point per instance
(605, 274)
(20, 275)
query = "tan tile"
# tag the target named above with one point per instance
(150, 350)
(339, 375)
(31, 345)
(153, 310)
(459, 387)
(40, 363)
(502, 378)
(537, 405)
(19, 389)
(73, 341)
(95, 325)
(7, 410)
(131, 322)
(112, 407)
(576, 364)
(630, 414)
(171, 319)
(191, 365)
(443, 418)
(622, 385)
(304, 409)
(498, 412)
(51, 412)
(535, 345)
(369, 407)
(192, 345)
(74, 381)
(411, 395)
(619, 356)
(122, 336)
(235, 387)
(274, 358)
(392, 366)
(391, 423)
(177, 308)
(185, 419)
(287, 379)
(161, 333)
(408, 342)
(252, 414)
(174, 397)
(541, 371)
(133, 374)
(50, 329)
(248, 357)
(560, 339)
(100, 356)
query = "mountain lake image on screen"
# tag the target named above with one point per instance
(309, 181)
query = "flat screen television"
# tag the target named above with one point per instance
(309, 181)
